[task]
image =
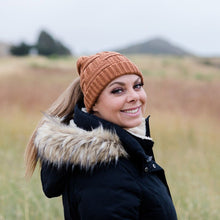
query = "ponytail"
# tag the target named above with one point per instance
(63, 106)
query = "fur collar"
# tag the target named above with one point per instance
(61, 144)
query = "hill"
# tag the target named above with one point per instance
(155, 46)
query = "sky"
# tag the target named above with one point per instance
(90, 26)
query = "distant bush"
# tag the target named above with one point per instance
(47, 45)
(20, 50)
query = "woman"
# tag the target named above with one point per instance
(95, 149)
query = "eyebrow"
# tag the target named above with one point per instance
(122, 83)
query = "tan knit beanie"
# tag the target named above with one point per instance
(98, 70)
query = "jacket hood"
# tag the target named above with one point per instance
(60, 144)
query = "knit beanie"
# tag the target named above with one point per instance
(97, 71)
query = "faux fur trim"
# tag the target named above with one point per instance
(60, 144)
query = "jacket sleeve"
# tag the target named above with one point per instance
(53, 179)
(108, 194)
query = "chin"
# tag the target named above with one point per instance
(133, 124)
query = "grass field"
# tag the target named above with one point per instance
(184, 104)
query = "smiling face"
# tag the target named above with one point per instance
(122, 102)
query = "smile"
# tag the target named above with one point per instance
(131, 111)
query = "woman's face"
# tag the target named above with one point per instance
(122, 102)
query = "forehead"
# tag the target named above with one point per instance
(126, 78)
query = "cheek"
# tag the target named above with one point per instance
(116, 104)
(144, 97)
(144, 101)
(108, 105)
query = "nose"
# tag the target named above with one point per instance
(132, 96)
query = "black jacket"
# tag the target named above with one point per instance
(102, 171)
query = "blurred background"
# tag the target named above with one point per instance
(176, 46)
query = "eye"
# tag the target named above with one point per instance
(117, 91)
(138, 86)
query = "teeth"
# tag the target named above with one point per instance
(132, 111)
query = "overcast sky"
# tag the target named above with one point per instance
(95, 25)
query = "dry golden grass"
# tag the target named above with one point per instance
(184, 104)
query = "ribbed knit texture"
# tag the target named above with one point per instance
(98, 70)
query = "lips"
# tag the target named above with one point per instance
(132, 110)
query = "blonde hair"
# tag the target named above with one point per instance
(63, 106)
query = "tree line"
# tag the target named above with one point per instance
(46, 45)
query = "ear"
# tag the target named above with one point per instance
(95, 108)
